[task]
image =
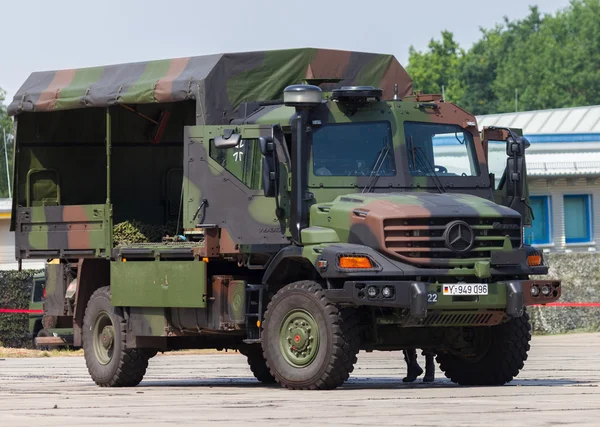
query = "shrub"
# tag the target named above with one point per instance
(15, 292)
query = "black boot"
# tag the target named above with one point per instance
(429, 368)
(413, 368)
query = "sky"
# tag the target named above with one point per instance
(42, 35)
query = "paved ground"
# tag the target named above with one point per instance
(559, 385)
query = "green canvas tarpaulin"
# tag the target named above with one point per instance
(218, 83)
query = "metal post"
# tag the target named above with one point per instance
(443, 93)
(7, 171)
(108, 152)
(516, 100)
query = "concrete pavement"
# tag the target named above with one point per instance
(559, 385)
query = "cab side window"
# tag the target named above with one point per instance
(243, 161)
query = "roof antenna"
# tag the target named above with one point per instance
(396, 91)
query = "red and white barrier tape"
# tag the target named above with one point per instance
(20, 311)
(550, 304)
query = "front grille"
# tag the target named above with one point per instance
(421, 240)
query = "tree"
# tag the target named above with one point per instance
(552, 61)
(557, 64)
(6, 127)
(437, 67)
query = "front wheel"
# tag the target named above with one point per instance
(109, 362)
(496, 356)
(307, 342)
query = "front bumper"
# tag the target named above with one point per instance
(418, 297)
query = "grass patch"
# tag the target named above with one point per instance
(19, 353)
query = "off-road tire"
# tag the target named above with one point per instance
(352, 324)
(338, 339)
(258, 364)
(127, 366)
(502, 360)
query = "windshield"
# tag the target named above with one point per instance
(353, 149)
(440, 150)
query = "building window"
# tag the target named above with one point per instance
(578, 218)
(540, 232)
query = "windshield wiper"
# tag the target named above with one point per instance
(374, 174)
(419, 156)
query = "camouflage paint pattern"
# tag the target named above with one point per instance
(218, 83)
(399, 218)
(77, 230)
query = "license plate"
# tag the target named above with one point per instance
(466, 289)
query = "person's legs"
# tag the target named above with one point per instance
(413, 368)
(429, 367)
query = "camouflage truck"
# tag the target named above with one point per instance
(322, 208)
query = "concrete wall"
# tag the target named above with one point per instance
(580, 275)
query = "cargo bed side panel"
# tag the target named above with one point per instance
(63, 231)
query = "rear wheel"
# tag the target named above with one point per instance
(496, 356)
(306, 341)
(109, 362)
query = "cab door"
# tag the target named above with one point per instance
(224, 186)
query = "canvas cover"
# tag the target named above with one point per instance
(218, 83)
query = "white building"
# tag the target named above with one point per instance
(7, 242)
(563, 165)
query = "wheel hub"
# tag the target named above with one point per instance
(108, 336)
(299, 338)
(103, 335)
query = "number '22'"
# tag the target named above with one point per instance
(432, 298)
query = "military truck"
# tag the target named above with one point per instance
(321, 208)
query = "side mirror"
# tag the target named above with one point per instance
(266, 145)
(268, 177)
(516, 146)
(228, 140)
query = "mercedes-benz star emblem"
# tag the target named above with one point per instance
(459, 236)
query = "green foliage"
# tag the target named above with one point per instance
(135, 231)
(553, 61)
(437, 67)
(15, 292)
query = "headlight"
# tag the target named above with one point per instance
(372, 291)
(546, 290)
(535, 291)
(387, 292)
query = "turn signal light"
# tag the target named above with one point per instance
(534, 260)
(355, 262)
